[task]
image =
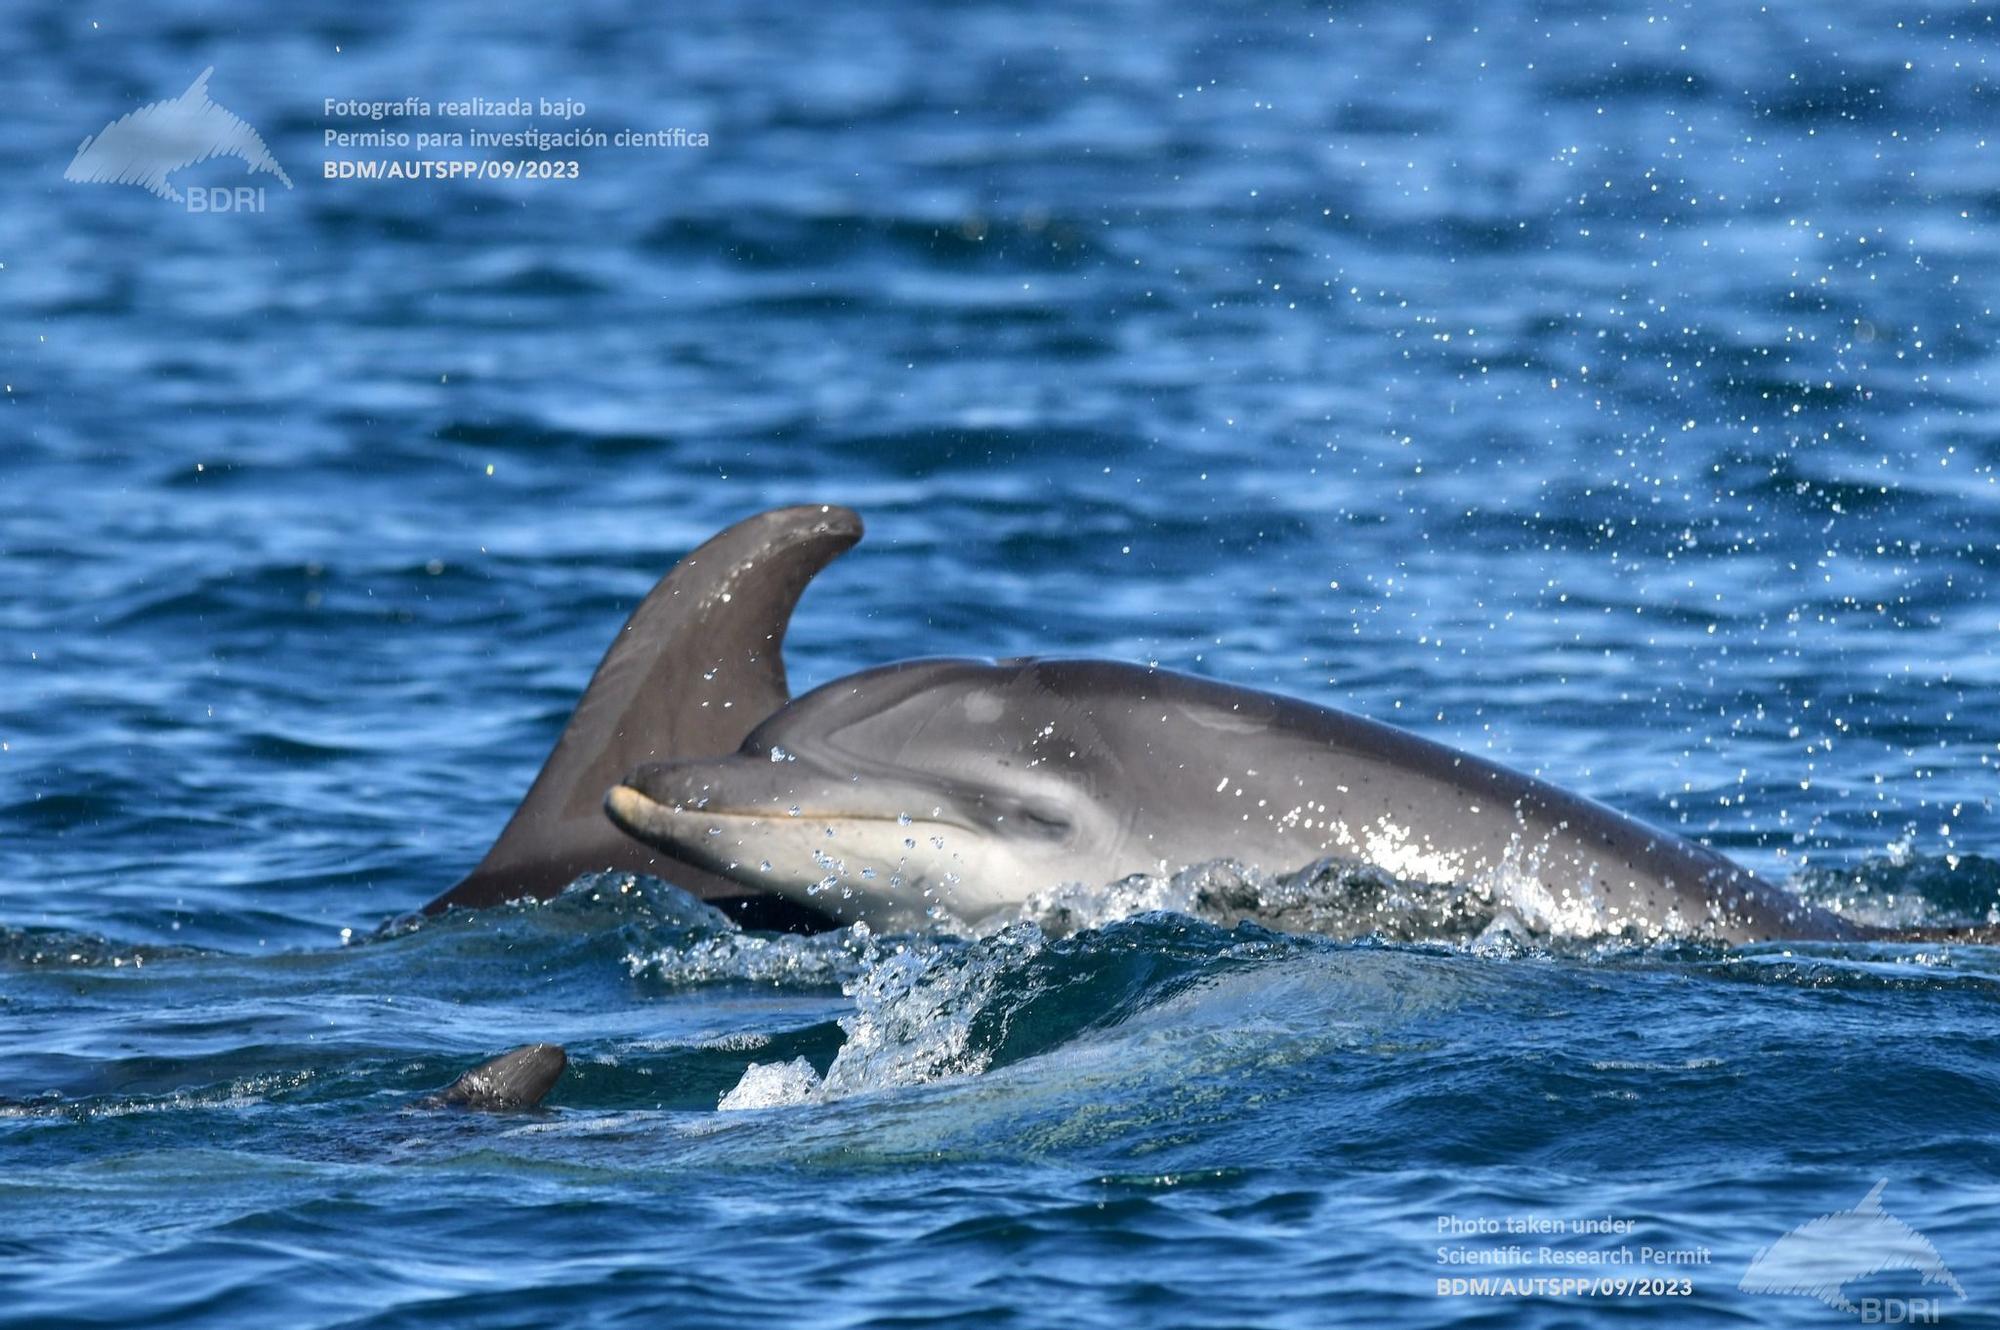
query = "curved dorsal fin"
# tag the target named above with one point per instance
(694, 670)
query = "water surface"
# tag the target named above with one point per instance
(1611, 395)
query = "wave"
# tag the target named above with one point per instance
(1905, 890)
(70, 949)
(1079, 960)
(1337, 951)
(1338, 898)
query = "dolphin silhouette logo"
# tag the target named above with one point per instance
(1820, 1258)
(146, 146)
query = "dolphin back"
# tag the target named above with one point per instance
(692, 672)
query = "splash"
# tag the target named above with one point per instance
(775, 960)
(915, 1009)
(772, 1085)
(63, 947)
(1336, 898)
(1905, 890)
(594, 902)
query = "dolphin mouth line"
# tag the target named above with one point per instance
(628, 804)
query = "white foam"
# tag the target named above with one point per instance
(772, 1085)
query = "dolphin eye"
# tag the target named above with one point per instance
(1046, 819)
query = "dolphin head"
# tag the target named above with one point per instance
(887, 796)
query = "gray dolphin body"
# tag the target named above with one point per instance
(969, 785)
(961, 787)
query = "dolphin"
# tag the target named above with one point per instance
(957, 788)
(953, 789)
(146, 146)
(513, 1082)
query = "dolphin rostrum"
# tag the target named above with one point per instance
(956, 788)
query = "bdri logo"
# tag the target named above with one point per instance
(1820, 1258)
(146, 147)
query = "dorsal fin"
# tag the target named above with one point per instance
(695, 669)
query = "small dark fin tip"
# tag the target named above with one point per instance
(516, 1081)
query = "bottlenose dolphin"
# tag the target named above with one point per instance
(957, 788)
(512, 1082)
(965, 786)
(146, 146)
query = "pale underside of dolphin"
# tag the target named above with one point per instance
(954, 789)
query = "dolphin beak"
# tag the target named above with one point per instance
(673, 805)
(658, 803)
(662, 807)
(688, 786)
(787, 828)
(628, 808)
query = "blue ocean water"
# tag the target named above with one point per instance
(1611, 394)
